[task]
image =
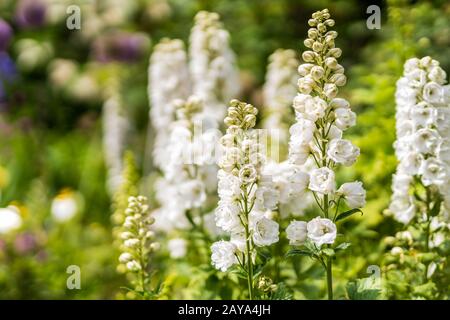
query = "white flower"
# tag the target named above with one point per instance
(433, 92)
(354, 194)
(437, 74)
(177, 248)
(322, 180)
(426, 140)
(433, 171)
(125, 257)
(229, 187)
(265, 231)
(321, 231)
(342, 151)
(314, 108)
(248, 174)
(339, 103)
(227, 216)
(300, 101)
(330, 90)
(303, 130)
(64, 207)
(412, 163)
(345, 118)
(9, 219)
(423, 114)
(192, 193)
(223, 255)
(297, 232)
(417, 78)
(298, 151)
(267, 197)
(133, 266)
(403, 209)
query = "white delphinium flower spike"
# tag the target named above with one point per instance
(245, 194)
(423, 138)
(321, 118)
(279, 90)
(212, 65)
(168, 80)
(138, 243)
(115, 130)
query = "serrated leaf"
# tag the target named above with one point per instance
(347, 214)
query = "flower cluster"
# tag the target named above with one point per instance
(168, 80)
(279, 89)
(212, 65)
(189, 170)
(423, 144)
(137, 237)
(186, 138)
(321, 118)
(246, 195)
(115, 128)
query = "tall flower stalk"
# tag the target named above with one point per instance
(212, 65)
(189, 172)
(168, 80)
(421, 196)
(321, 118)
(138, 244)
(279, 89)
(245, 196)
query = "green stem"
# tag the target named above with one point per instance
(248, 250)
(330, 278)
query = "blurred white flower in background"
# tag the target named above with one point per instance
(10, 219)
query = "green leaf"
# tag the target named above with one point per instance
(297, 252)
(342, 246)
(328, 252)
(347, 214)
(282, 293)
(436, 207)
(363, 289)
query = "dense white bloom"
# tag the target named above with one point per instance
(265, 231)
(168, 80)
(342, 151)
(322, 180)
(177, 248)
(297, 232)
(223, 255)
(279, 89)
(422, 126)
(321, 231)
(353, 193)
(115, 127)
(9, 219)
(212, 64)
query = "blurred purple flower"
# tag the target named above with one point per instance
(8, 73)
(30, 13)
(120, 46)
(24, 243)
(5, 34)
